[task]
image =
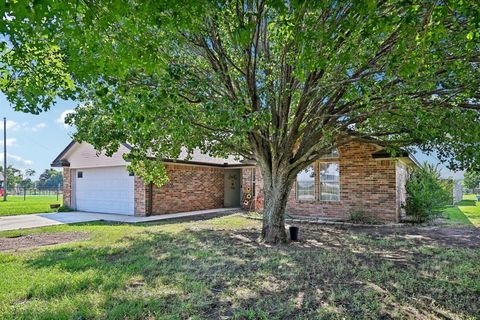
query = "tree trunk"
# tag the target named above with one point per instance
(276, 191)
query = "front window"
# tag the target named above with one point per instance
(329, 181)
(306, 184)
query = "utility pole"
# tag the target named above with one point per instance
(4, 159)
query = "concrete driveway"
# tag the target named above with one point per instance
(28, 221)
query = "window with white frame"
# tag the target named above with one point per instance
(329, 181)
(306, 184)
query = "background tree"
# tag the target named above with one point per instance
(50, 178)
(472, 180)
(14, 176)
(26, 181)
(280, 82)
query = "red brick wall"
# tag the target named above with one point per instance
(67, 187)
(140, 197)
(366, 184)
(190, 188)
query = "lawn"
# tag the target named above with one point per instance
(467, 212)
(216, 269)
(32, 204)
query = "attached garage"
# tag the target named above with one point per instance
(106, 190)
(94, 182)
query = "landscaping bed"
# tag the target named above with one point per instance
(23, 242)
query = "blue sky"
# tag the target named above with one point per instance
(33, 141)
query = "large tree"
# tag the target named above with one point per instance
(280, 82)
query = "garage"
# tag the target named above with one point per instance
(105, 190)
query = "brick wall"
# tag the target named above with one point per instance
(366, 184)
(256, 201)
(67, 187)
(190, 188)
(140, 197)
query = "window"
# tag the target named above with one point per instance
(329, 181)
(131, 174)
(80, 174)
(306, 184)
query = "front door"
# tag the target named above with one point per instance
(232, 188)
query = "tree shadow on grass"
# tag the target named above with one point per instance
(213, 274)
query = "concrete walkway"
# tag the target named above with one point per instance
(50, 219)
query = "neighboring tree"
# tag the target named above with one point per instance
(27, 178)
(427, 193)
(472, 180)
(280, 82)
(14, 176)
(50, 178)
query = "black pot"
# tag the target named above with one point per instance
(293, 233)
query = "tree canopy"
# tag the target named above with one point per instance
(472, 180)
(280, 82)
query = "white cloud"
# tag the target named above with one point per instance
(10, 142)
(16, 161)
(15, 126)
(39, 126)
(12, 125)
(61, 118)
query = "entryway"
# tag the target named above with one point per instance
(232, 188)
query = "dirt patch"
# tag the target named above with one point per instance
(456, 237)
(39, 240)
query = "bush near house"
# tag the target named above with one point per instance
(427, 193)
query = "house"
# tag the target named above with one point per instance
(357, 177)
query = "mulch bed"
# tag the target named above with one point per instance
(39, 240)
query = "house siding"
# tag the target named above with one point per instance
(190, 188)
(84, 155)
(366, 185)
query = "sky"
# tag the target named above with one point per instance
(33, 141)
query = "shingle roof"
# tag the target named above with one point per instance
(197, 157)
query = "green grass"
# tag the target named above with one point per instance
(466, 212)
(32, 204)
(215, 269)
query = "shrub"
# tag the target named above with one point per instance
(64, 208)
(361, 217)
(427, 193)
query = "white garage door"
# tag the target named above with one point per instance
(108, 190)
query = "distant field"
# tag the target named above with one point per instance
(466, 212)
(32, 204)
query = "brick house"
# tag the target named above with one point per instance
(357, 177)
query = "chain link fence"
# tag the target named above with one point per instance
(35, 191)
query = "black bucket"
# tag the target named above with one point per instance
(293, 233)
